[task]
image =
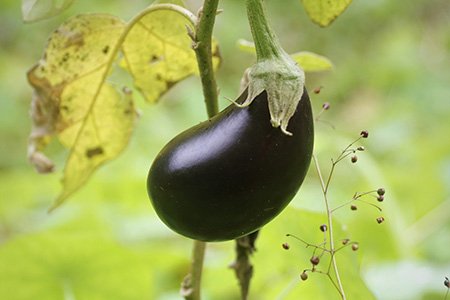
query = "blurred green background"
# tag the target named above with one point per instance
(391, 77)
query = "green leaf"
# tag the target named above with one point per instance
(158, 51)
(82, 264)
(312, 62)
(309, 61)
(323, 12)
(73, 100)
(35, 10)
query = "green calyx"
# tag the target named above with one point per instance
(283, 81)
(275, 72)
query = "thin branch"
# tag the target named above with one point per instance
(190, 287)
(371, 204)
(308, 244)
(357, 197)
(344, 246)
(330, 223)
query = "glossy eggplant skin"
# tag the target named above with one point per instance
(230, 175)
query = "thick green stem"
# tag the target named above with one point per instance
(202, 38)
(266, 42)
(203, 51)
(275, 72)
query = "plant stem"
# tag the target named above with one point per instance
(266, 42)
(191, 286)
(308, 244)
(203, 51)
(330, 225)
(243, 268)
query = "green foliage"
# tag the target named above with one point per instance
(78, 260)
(324, 12)
(312, 62)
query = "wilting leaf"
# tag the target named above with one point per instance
(309, 61)
(35, 10)
(312, 62)
(73, 101)
(323, 12)
(158, 52)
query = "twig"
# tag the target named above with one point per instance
(325, 187)
(355, 198)
(308, 244)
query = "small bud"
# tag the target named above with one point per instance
(447, 282)
(380, 220)
(317, 90)
(304, 276)
(380, 198)
(345, 241)
(364, 134)
(353, 207)
(315, 260)
(381, 191)
(326, 106)
(355, 247)
(360, 148)
(285, 246)
(354, 159)
(323, 227)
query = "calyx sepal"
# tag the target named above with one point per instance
(284, 81)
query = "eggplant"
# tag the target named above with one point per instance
(230, 175)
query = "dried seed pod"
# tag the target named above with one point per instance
(304, 276)
(315, 260)
(380, 220)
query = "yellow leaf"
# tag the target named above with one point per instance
(312, 62)
(323, 12)
(158, 52)
(246, 46)
(309, 61)
(74, 102)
